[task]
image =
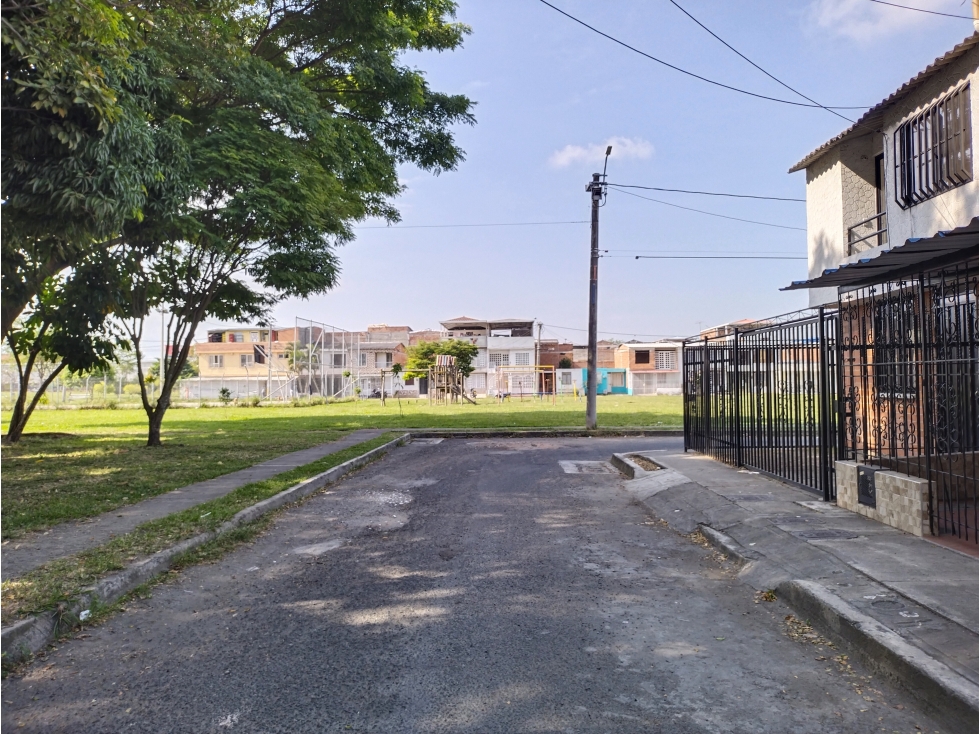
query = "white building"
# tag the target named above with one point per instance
(504, 344)
(904, 170)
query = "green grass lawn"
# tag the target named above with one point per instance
(73, 464)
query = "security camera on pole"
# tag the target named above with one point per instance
(597, 189)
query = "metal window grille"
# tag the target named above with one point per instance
(933, 150)
(499, 359)
(521, 359)
(247, 360)
(665, 359)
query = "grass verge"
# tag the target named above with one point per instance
(61, 580)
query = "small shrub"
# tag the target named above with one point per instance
(43, 400)
(224, 395)
(111, 405)
(204, 405)
(317, 400)
(254, 401)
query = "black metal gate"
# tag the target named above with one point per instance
(763, 396)
(910, 386)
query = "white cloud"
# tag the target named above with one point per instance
(864, 21)
(622, 148)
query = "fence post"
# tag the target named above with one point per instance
(925, 398)
(824, 407)
(705, 375)
(738, 442)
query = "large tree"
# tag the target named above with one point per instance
(84, 148)
(297, 116)
(421, 356)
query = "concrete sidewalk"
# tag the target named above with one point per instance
(926, 594)
(36, 549)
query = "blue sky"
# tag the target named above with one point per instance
(551, 93)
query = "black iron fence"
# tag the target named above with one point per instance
(763, 396)
(910, 386)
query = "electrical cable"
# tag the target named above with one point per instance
(613, 333)
(769, 75)
(710, 257)
(921, 10)
(708, 252)
(712, 214)
(690, 73)
(705, 193)
(443, 226)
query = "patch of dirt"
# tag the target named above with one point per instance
(647, 464)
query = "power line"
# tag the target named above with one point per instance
(690, 73)
(922, 10)
(705, 193)
(443, 226)
(711, 252)
(713, 214)
(710, 257)
(770, 76)
(613, 333)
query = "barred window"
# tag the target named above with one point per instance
(933, 150)
(665, 359)
(521, 358)
(216, 360)
(499, 359)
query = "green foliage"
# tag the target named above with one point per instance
(422, 356)
(565, 363)
(224, 395)
(130, 390)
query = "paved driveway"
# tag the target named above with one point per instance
(463, 586)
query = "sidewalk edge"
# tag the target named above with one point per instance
(951, 698)
(28, 636)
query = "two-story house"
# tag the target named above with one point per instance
(892, 205)
(652, 368)
(246, 360)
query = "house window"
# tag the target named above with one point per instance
(895, 354)
(247, 360)
(521, 358)
(499, 359)
(383, 360)
(481, 360)
(665, 359)
(338, 360)
(933, 150)
(253, 336)
(616, 379)
(216, 360)
(642, 356)
(240, 337)
(281, 356)
(565, 378)
(363, 359)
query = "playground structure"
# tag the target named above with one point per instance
(445, 382)
(526, 381)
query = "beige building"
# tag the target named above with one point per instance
(903, 170)
(653, 368)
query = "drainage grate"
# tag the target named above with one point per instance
(827, 534)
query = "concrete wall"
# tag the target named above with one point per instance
(902, 501)
(824, 220)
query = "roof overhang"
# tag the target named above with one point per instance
(914, 256)
(872, 118)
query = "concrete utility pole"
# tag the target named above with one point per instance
(597, 190)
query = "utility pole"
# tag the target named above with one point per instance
(597, 189)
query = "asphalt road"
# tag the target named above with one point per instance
(469, 586)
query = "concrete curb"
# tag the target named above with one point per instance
(28, 636)
(950, 697)
(628, 467)
(544, 432)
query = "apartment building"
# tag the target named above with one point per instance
(503, 344)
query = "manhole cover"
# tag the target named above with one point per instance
(588, 467)
(752, 497)
(887, 605)
(828, 534)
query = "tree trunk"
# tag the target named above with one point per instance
(156, 423)
(22, 409)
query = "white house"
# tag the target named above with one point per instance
(504, 345)
(903, 170)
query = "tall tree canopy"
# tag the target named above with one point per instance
(297, 116)
(421, 356)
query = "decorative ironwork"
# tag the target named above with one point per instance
(764, 397)
(910, 386)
